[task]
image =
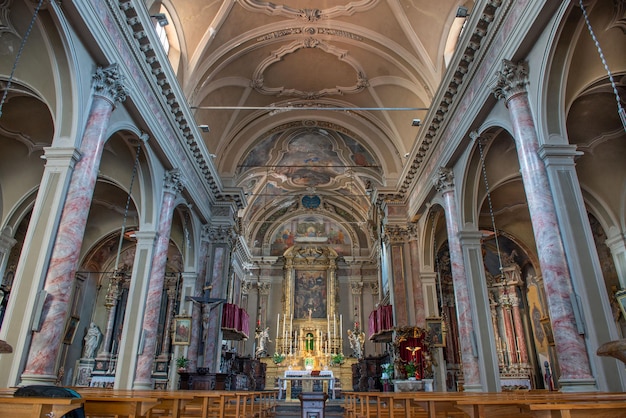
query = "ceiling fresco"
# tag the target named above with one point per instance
(311, 104)
(316, 230)
(311, 168)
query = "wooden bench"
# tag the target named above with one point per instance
(11, 407)
(608, 409)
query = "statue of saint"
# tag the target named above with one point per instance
(263, 337)
(92, 341)
(357, 340)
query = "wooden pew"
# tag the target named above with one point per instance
(118, 405)
(605, 409)
(11, 407)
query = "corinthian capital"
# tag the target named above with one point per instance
(109, 84)
(511, 80)
(173, 182)
(444, 180)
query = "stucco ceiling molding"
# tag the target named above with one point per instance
(619, 17)
(447, 98)
(278, 55)
(308, 14)
(172, 100)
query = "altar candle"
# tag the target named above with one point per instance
(277, 325)
(340, 325)
(334, 326)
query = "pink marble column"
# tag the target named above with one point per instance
(445, 185)
(196, 311)
(399, 285)
(520, 336)
(145, 359)
(108, 89)
(570, 346)
(416, 280)
(508, 328)
(222, 240)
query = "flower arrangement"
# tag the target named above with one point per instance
(278, 358)
(387, 371)
(337, 359)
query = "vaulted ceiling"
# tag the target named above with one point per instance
(310, 104)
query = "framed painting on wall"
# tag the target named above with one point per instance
(310, 294)
(436, 330)
(182, 330)
(70, 330)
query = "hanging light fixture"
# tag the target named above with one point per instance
(620, 109)
(19, 54)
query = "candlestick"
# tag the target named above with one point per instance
(340, 325)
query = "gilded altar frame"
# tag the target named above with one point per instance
(311, 263)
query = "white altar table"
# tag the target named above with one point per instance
(307, 380)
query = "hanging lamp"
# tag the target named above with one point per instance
(19, 54)
(620, 109)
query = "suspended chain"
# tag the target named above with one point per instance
(19, 53)
(130, 191)
(620, 109)
(493, 221)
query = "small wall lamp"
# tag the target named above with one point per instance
(161, 19)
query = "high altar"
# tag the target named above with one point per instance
(309, 336)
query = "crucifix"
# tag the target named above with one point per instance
(206, 298)
(413, 350)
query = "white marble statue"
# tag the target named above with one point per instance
(92, 341)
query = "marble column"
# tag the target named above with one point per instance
(108, 89)
(397, 238)
(416, 279)
(471, 375)
(520, 336)
(145, 360)
(570, 345)
(222, 240)
(196, 310)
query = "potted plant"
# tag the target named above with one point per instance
(337, 359)
(410, 368)
(278, 358)
(182, 362)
